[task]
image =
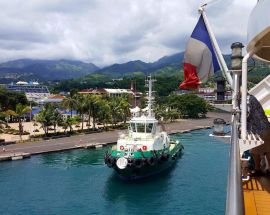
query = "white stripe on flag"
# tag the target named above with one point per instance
(199, 55)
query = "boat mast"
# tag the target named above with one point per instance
(150, 98)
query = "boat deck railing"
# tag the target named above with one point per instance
(129, 137)
(234, 200)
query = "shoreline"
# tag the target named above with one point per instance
(97, 140)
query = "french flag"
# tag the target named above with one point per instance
(200, 61)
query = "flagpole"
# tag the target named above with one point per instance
(217, 49)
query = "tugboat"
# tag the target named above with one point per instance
(146, 149)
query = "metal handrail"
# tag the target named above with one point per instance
(234, 200)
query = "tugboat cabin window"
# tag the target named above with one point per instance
(133, 127)
(140, 127)
(149, 128)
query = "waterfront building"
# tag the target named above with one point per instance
(33, 90)
(135, 97)
(207, 93)
(97, 91)
(53, 99)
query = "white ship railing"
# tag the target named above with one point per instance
(234, 200)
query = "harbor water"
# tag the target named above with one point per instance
(78, 182)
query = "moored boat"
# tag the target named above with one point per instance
(146, 149)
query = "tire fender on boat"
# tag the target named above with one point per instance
(138, 163)
(151, 161)
(111, 161)
(164, 157)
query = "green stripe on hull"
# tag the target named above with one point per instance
(133, 172)
(145, 171)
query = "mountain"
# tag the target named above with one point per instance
(28, 69)
(175, 59)
(46, 70)
(121, 69)
(118, 70)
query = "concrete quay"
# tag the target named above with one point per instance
(97, 140)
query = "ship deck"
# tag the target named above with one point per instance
(257, 196)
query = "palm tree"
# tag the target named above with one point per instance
(81, 107)
(56, 118)
(45, 117)
(69, 103)
(69, 122)
(125, 108)
(89, 100)
(18, 113)
(92, 103)
(104, 112)
(3, 124)
(95, 109)
(115, 110)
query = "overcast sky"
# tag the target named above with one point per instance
(112, 31)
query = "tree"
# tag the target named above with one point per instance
(115, 110)
(125, 108)
(188, 105)
(56, 119)
(69, 122)
(81, 107)
(18, 113)
(92, 103)
(48, 116)
(9, 99)
(104, 114)
(69, 103)
(3, 123)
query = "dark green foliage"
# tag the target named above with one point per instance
(49, 116)
(9, 99)
(91, 81)
(165, 85)
(188, 105)
(168, 80)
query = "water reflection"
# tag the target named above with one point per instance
(78, 182)
(75, 158)
(137, 194)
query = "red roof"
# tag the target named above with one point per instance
(56, 97)
(92, 91)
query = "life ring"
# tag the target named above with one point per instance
(111, 161)
(151, 161)
(138, 163)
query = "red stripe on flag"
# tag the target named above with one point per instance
(191, 79)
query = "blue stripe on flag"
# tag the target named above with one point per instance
(200, 33)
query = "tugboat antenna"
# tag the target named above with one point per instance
(150, 97)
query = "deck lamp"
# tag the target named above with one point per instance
(236, 58)
(219, 127)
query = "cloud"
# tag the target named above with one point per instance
(106, 32)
